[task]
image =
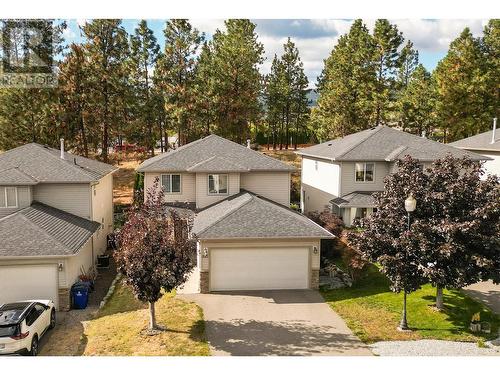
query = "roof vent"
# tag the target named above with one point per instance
(329, 144)
(248, 143)
(424, 135)
(494, 130)
(62, 148)
(74, 160)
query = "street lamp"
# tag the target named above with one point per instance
(410, 206)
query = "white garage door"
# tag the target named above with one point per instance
(25, 282)
(259, 269)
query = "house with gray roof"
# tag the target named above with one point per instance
(56, 210)
(239, 201)
(342, 174)
(486, 144)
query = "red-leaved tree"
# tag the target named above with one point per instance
(155, 250)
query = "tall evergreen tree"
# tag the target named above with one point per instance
(176, 72)
(491, 46)
(144, 51)
(236, 57)
(31, 114)
(106, 48)
(387, 59)
(416, 103)
(462, 89)
(346, 85)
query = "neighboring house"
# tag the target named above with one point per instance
(248, 237)
(342, 174)
(486, 144)
(56, 210)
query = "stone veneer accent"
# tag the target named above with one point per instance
(314, 279)
(64, 299)
(204, 282)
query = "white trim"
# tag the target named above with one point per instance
(5, 196)
(171, 185)
(208, 184)
(364, 172)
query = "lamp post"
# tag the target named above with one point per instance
(410, 205)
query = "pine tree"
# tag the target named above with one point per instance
(491, 47)
(416, 103)
(105, 49)
(387, 59)
(462, 89)
(236, 57)
(176, 72)
(346, 86)
(144, 51)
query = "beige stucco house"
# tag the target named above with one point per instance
(342, 174)
(56, 210)
(248, 237)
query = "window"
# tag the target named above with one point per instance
(364, 172)
(217, 184)
(8, 197)
(171, 183)
(32, 316)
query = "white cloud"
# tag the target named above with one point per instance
(208, 26)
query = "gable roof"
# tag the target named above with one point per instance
(43, 164)
(355, 199)
(247, 215)
(41, 230)
(213, 154)
(480, 142)
(384, 143)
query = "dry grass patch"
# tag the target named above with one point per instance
(116, 330)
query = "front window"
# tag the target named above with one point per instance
(217, 184)
(8, 197)
(171, 183)
(364, 172)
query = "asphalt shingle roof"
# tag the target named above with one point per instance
(384, 143)
(246, 215)
(43, 164)
(213, 154)
(355, 199)
(480, 142)
(41, 230)
(14, 176)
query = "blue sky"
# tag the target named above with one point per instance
(315, 38)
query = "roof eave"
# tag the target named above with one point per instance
(267, 238)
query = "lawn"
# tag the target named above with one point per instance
(116, 329)
(373, 312)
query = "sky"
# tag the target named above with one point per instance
(315, 38)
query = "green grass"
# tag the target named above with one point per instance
(373, 312)
(117, 328)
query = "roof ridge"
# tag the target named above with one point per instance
(183, 147)
(229, 212)
(376, 130)
(75, 167)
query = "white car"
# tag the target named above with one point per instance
(22, 324)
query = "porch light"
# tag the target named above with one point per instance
(410, 203)
(315, 250)
(205, 252)
(60, 266)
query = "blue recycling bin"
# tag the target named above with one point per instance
(80, 294)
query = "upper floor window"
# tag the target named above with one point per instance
(8, 197)
(171, 183)
(217, 184)
(364, 172)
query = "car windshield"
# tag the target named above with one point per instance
(8, 331)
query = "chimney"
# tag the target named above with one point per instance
(423, 134)
(248, 143)
(62, 148)
(494, 130)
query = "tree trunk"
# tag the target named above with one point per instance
(403, 325)
(152, 316)
(439, 298)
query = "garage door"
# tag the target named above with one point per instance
(24, 282)
(259, 269)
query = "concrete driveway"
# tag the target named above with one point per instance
(281, 322)
(486, 292)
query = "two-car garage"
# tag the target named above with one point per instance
(259, 268)
(24, 282)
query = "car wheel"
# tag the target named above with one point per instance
(34, 347)
(52, 319)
